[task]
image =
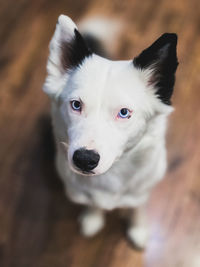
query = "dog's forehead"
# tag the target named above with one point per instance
(101, 70)
(100, 77)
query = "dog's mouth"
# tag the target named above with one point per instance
(82, 172)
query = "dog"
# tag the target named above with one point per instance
(109, 120)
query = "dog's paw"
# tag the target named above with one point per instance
(138, 236)
(91, 223)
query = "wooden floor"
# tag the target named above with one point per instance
(38, 225)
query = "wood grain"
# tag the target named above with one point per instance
(38, 225)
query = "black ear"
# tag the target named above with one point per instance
(161, 58)
(73, 52)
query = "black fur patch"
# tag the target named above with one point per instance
(74, 52)
(95, 45)
(161, 57)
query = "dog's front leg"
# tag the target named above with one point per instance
(91, 221)
(137, 231)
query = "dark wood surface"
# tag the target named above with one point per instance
(38, 225)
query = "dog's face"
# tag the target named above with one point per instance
(106, 105)
(102, 112)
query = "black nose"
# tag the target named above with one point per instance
(86, 160)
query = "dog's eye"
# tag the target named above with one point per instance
(124, 113)
(76, 105)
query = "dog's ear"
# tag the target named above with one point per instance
(67, 50)
(160, 62)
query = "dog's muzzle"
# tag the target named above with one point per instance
(86, 160)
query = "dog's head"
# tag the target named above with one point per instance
(103, 107)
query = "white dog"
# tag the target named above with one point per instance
(109, 120)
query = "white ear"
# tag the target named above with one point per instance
(56, 74)
(64, 33)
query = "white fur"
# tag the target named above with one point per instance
(138, 236)
(138, 230)
(92, 221)
(122, 179)
(57, 78)
(132, 151)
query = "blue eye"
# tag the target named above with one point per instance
(76, 105)
(124, 113)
